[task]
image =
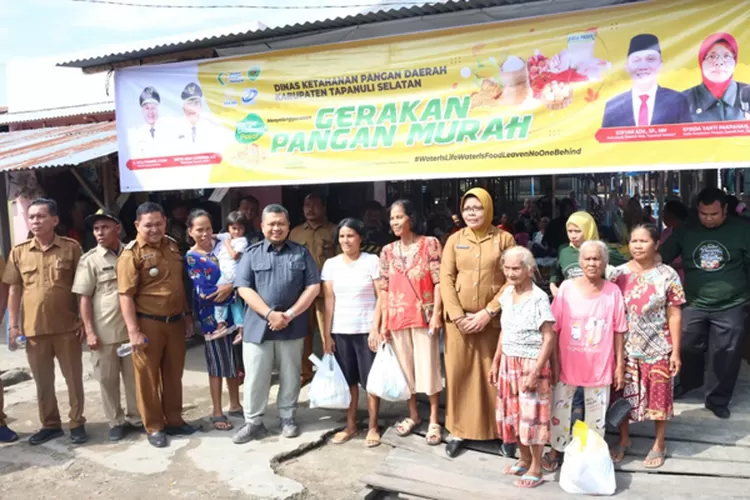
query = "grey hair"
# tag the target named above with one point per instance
(600, 246)
(527, 258)
(275, 208)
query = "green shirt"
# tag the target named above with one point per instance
(568, 265)
(716, 263)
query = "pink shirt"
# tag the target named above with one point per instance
(586, 328)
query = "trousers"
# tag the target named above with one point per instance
(259, 363)
(109, 368)
(720, 334)
(596, 402)
(41, 352)
(158, 374)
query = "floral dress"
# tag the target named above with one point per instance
(204, 272)
(648, 343)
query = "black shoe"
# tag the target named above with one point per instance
(721, 412)
(78, 435)
(158, 439)
(130, 426)
(453, 448)
(117, 433)
(45, 435)
(508, 450)
(182, 430)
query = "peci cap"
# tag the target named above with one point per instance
(102, 214)
(644, 41)
(150, 96)
(192, 91)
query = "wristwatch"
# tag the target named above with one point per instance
(290, 312)
(492, 314)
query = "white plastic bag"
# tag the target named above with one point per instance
(328, 388)
(587, 468)
(386, 379)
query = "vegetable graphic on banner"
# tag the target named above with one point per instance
(572, 92)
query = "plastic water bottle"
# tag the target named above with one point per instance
(20, 342)
(127, 349)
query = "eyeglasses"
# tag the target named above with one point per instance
(714, 58)
(473, 210)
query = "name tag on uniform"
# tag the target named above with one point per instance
(462, 247)
(148, 256)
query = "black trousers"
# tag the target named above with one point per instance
(721, 335)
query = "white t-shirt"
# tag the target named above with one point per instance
(227, 264)
(354, 291)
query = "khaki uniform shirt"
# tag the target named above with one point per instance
(471, 274)
(153, 276)
(96, 277)
(46, 277)
(319, 241)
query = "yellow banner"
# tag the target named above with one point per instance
(655, 85)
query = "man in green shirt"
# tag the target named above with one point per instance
(715, 252)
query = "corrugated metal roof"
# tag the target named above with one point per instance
(61, 112)
(56, 146)
(388, 13)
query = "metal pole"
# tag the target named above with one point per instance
(4, 216)
(662, 189)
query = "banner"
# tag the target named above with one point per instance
(646, 86)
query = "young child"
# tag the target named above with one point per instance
(231, 247)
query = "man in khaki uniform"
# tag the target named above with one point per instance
(40, 273)
(316, 234)
(96, 285)
(6, 434)
(150, 282)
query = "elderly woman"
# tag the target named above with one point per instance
(204, 272)
(717, 98)
(590, 322)
(412, 312)
(351, 321)
(521, 368)
(653, 298)
(471, 281)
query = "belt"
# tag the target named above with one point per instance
(163, 319)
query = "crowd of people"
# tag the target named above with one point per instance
(521, 365)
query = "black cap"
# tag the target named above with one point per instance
(192, 91)
(102, 214)
(644, 41)
(150, 95)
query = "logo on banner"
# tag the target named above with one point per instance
(250, 129)
(248, 97)
(229, 78)
(230, 99)
(253, 73)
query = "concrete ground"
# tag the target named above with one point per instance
(205, 465)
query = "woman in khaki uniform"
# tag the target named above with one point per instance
(471, 278)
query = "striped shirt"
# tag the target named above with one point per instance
(354, 292)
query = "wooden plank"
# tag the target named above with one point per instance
(713, 431)
(687, 466)
(696, 451)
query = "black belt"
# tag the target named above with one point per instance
(163, 319)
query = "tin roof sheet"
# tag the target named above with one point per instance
(61, 112)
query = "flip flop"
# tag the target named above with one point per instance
(655, 455)
(405, 427)
(551, 465)
(222, 420)
(372, 439)
(515, 470)
(535, 481)
(618, 451)
(434, 435)
(342, 437)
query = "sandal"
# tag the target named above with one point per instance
(658, 456)
(373, 438)
(618, 452)
(515, 470)
(551, 465)
(342, 437)
(434, 435)
(237, 413)
(527, 481)
(405, 427)
(222, 423)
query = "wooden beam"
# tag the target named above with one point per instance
(87, 188)
(187, 55)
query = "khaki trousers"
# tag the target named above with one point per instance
(158, 374)
(41, 352)
(315, 318)
(108, 369)
(2, 414)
